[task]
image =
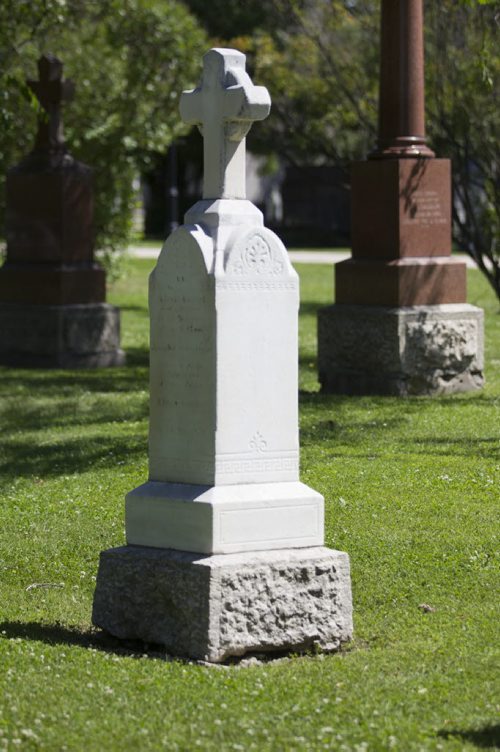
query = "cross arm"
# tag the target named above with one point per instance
(244, 103)
(224, 106)
(191, 107)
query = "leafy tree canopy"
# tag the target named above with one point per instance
(463, 81)
(129, 59)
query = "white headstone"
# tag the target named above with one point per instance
(224, 446)
(223, 487)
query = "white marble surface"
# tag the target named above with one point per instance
(223, 374)
(224, 519)
(224, 301)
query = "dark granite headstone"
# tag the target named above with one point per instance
(50, 280)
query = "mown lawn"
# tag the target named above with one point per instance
(412, 491)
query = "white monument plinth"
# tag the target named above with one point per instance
(223, 445)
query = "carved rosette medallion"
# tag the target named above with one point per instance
(256, 257)
(257, 254)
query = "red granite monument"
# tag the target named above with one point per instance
(52, 291)
(400, 324)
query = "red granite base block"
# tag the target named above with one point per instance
(401, 208)
(48, 285)
(403, 282)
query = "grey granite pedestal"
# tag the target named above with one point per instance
(414, 350)
(83, 335)
(214, 607)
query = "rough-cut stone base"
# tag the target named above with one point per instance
(426, 350)
(60, 336)
(214, 607)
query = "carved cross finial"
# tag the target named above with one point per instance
(51, 91)
(224, 107)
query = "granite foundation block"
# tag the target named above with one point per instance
(60, 336)
(416, 350)
(214, 607)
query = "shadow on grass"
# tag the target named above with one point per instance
(132, 376)
(346, 432)
(96, 639)
(487, 737)
(350, 436)
(141, 309)
(69, 456)
(71, 398)
(339, 425)
(69, 413)
(488, 448)
(309, 308)
(411, 404)
(138, 356)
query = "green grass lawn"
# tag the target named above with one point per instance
(412, 489)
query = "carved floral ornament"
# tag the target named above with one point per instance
(256, 257)
(258, 443)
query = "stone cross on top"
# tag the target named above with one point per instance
(51, 91)
(224, 107)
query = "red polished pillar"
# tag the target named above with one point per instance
(401, 94)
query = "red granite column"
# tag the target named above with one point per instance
(401, 94)
(401, 196)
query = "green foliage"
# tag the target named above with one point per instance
(319, 63)
(412, 492)
(222, 18)
(472, 3)
(463, 73)
(130, 60)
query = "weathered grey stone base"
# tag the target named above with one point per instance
(214, 607)
(60, 336)
(426, 350)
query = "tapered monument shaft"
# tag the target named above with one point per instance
(401, 130)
